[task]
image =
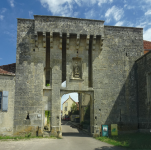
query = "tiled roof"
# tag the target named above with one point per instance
(69, 98)
(9, 69)
(147, 45)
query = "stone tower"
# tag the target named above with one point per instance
(92, 58)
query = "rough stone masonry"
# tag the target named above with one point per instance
(92, 58)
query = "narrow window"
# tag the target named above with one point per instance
(65, 108)
(0, 100)
(90, 61)
(27, 116)
(64, 42)
(48, 71)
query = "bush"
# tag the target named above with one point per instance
(28, 135)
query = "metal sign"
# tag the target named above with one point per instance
(114, 130)
(104, 130)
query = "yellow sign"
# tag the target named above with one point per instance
(114, 130)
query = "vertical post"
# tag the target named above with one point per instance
(56, 65)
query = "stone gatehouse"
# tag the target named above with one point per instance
(92, 58)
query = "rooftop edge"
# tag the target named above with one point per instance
(63, 17)
(123, 27)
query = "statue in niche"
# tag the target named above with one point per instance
(76, 71)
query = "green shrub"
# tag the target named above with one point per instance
(28, 135)
(47, 84)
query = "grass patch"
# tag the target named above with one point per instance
(27, 137)
(131, 141)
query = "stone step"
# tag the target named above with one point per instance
(46, 133)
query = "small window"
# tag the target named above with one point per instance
(0, 100)
(66, 104)
(65, 108)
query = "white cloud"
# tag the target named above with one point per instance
(115, 12)
(142, 24)
(130, 7)
(130, 24)
(120, 23)
(78, 2)
(90, 14)
(58, 6)
(65, 7)
(75, 14)
(148, 12)
(12, 3)
(147, 35)
(30, 14)
(100, 2)
(147, 1)
(1, 17)
(108, 20)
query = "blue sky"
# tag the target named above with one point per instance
(131, 13)
(134, 13)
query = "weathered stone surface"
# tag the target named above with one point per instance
(143, 89)
(46, 49)
(7, 83)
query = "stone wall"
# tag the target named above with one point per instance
(31, 96)
(114, 82)
(84, 101)
(7, 83)
(143, 90)
(68, 25)
(106, 73)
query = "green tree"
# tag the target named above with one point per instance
(74, 110)
(47, 114)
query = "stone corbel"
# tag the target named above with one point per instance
(68, 36)
(36, 40)
(87, 42)
(60, 45)
(51, 40)
(94, 42)
(44, 39)
(101, 43)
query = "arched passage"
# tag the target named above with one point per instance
(90, 93)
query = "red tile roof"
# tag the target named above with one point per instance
(69, 98)
(147, 45)
(9, 69)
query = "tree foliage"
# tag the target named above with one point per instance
(47, 114)
(87, 113)
(74, 109)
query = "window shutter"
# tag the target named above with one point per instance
(5, 101)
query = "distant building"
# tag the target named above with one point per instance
(147, 46)
(67, 106)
